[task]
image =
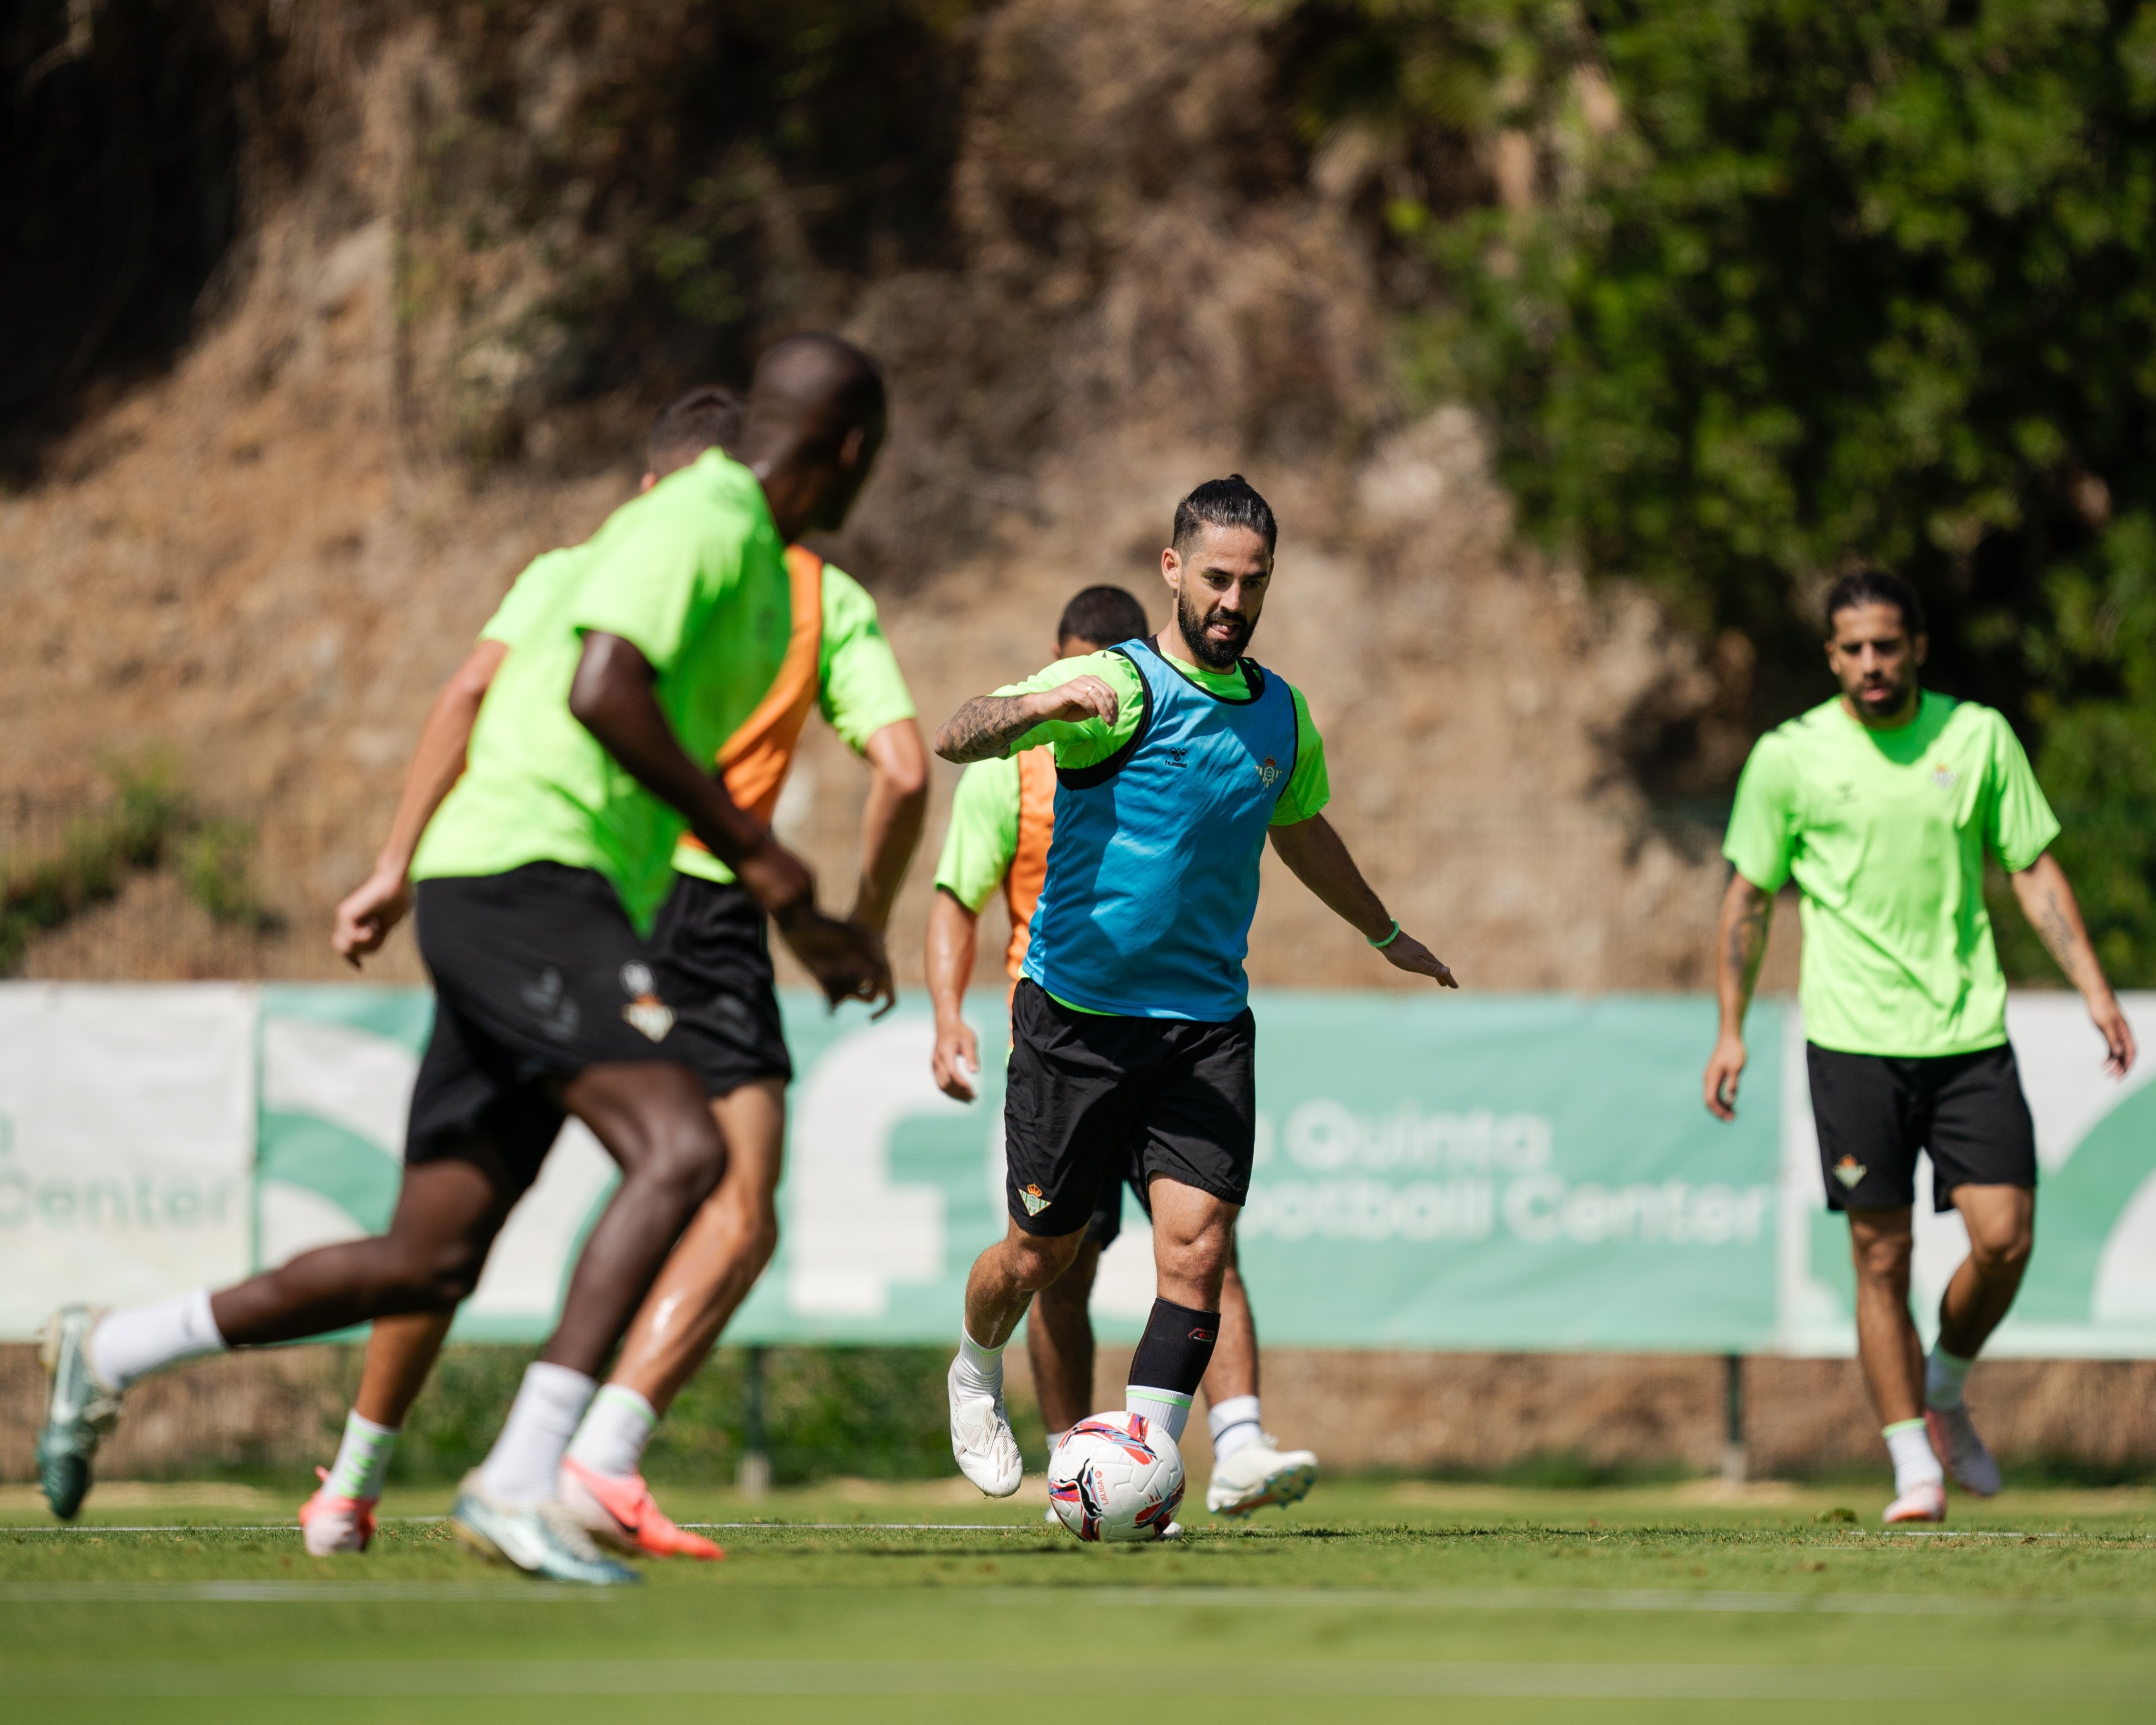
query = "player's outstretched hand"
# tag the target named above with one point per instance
(1085, 697)
(365, 915)
(846, 958)
(1408, 954)
(1725, 1066)
(2110, 1018)
(957, 1062)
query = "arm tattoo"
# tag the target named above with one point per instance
(2057, 929)
(1748, 939)
(984, 727)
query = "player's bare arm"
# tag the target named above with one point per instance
(611, 698)
(987, 726)
(952, 930)
(1740, 943)
(366, 914)
(890, 823)
(2047, 900)
(1319, 859)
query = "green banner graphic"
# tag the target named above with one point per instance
(1527, 1172)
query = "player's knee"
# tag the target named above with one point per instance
(2001, 1248)
(437, 1276)
(1882, 1256)
(685, 1155)
(1039, 1263)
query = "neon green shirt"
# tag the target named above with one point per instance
(981, 842)
(545, 578)
(1885, 832)
(1086, 742)
(859, 688)
(692, 574)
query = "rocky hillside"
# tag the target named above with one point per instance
(465, 251)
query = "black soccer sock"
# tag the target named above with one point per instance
(1170, 1363)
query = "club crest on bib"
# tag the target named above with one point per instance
(646, 1010)
(1848, 1171)
(1034, 1201)
(1268, 771)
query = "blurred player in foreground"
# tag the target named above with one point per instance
(536, 878)
(1881, 804)
(1001, 821)
(1176, 759)
(714, 959)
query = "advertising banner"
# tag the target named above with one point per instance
(1518, 1172)
(126, 1143)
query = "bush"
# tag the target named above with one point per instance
(1789, 285)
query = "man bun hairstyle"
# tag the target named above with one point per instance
(1103, 615)
(1876, 587)
(708, 416)
(1229, 502)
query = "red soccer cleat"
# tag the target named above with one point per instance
(331, 1525)
(620, 1512)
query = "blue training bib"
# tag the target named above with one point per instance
(1152, 874)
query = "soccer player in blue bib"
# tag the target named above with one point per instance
(1176, 759)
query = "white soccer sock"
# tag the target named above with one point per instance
(142, 1339)
(1914, 1463)
(1234, 1424)
(1055, 1441)
(363, 1460)
(1163, 1406)
(980, 1369)
(610, 1440)
(1945, 1374)
(520, 1470)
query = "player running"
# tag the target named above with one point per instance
(1002, 820)
(1176, 759)
(715, 956)
(551, 851)
(1881, 804)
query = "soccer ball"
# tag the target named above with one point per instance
(1116, 1478)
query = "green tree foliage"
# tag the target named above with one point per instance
(1797, 284)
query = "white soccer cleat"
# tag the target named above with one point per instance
(1926, 1502)
(1954, 1442)
(1259, 1474)
(981, 1439)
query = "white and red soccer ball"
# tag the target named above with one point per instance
(1116, 1478)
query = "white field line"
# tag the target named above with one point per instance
(1535, 1681)
(1363, 1601)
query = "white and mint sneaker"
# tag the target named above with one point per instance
(542, 1539)
(1954, 1442)
(981, 1441)
(78, 1413)
(1259, 1474)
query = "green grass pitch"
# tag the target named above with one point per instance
(1370, 1602)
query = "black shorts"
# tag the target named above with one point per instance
(714, 948)
(1876, 1111)
(538, 975)
(1088, 1092)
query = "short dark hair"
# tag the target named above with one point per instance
(1229, 502)
(1103, 615)
(709, 416)
(1876, 587)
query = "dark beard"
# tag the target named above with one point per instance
(1213, 655)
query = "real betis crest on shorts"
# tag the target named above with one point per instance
(646, 1010)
